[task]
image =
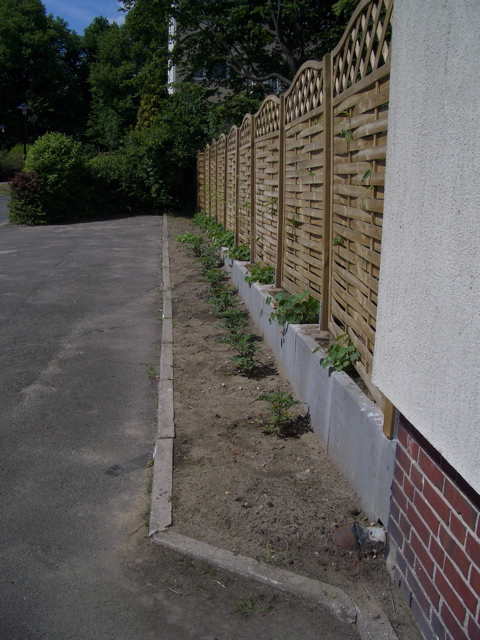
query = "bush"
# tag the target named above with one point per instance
(109, 184)
(61, 168)
(25, 207)
(11, 162)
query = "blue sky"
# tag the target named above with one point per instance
(80, 13)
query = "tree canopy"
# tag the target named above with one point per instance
(246, 43)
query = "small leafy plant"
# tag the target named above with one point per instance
(249, 606)
(297, 309)
(193, 240)
(242, 252)
(341, 355)
(222, 299)
(246, 348)
(280, 422)
(263, 274)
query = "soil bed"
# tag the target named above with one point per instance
(274, 499)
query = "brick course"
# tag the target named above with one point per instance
(435, 534)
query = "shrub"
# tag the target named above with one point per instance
(11, 162)
(109, 184)
(61, 169)
(25, 207)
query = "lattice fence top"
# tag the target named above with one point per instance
(267, 119)
(222, 140)
(246, 130)
(306, 91)
(365, 45)
(232, 139)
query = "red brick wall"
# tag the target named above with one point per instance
(435, 535)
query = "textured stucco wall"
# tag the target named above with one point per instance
(427, 353)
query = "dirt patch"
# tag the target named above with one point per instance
(274, 499)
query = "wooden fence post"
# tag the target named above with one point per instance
(253, 185)
(237, 182)
(327, 190)
(281, 195)
(225, 178)
(216, 181)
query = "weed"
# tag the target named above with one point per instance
(151, 372)
(280, 422)
(149, 485)
(263, 274)
(341, 355)
(298, 309)
(249, 606)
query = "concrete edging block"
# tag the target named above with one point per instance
(161, 512)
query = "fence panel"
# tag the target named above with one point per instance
(361, 71)
(304, 239)
(267, 158)
(208, 181)
(220, 193)
(232, 182)
(245, 182)
(201, 178)
(213, 178)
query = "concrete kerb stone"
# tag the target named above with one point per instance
(331, 598)
(371, 622)
(161, 515)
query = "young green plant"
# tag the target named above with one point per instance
(297, 309)
(280, 416)
(341, 355)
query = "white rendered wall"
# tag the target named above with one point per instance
(427, 355)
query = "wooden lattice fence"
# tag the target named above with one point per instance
(304, 180)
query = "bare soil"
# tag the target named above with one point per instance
(274, 499)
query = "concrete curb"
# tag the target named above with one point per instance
(371, 622)
(161, 513)
(333, 599)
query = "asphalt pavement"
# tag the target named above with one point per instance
(4, 209)
(79, 342)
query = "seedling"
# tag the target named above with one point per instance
(280, 422)
(341, 355)
(298, 309)
(193, 240)
(263, 274)
(247, 349)
(242, 252)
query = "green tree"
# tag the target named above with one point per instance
(256, 42)
(40, 62)
(115, 99)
